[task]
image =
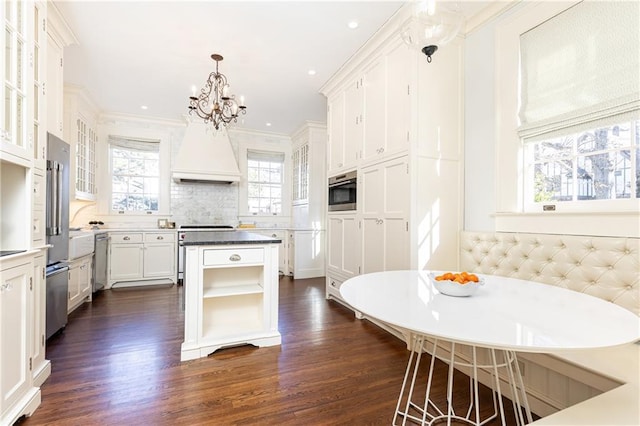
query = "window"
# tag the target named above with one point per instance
(265, 176)
(597, 164)
(579, 105)
(135, 175)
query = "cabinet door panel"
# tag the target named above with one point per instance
(74, 286)
(396, 241)
(159, 260)
(353, 128)
(335, 242)
(396, 187)
(371, 188)
(398, 66)
(336, 132)
(373, 249)
(14, 335)
(126, 261)
(350, 246)
(375, 104)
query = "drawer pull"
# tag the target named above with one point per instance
(235, 257)
(127, 238)
(159, 237)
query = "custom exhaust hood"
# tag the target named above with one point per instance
(205, 155)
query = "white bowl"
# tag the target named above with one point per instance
(452, 288)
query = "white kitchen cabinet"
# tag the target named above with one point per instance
(368, 120)
(335, 120)
(53, 89)
(59, 36)
(80, 273)
(233, 299)
(384, 201)
(283, 255)
(17, 83)
(159, 254)
(398, 99)
(306, 253)
(375, 109)
(41, 366)
(387, 102)
(142, 258)
(344, 245)
(81, 123)
(18, 395)
(353, 121)
(309, 209)
(409, 169)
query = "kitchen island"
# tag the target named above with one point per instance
(231, 291)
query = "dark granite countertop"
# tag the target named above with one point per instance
(210, 238)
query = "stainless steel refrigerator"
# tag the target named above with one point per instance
(57, 282)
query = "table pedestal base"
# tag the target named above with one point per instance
(427, 412)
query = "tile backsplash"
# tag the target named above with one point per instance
(211, 203)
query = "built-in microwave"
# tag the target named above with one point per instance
(342, 192)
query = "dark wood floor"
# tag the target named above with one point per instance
(118, 363)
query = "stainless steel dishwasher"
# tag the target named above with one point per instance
(100, 261)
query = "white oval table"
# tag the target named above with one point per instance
(504, 316)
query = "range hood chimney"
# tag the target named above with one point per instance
(205, 156)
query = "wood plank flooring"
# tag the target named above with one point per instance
(118, 363)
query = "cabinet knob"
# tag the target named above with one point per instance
(235, 257)
(126, 238)
(159, 237)
(333, 283)
(6, 287)
(273, 235)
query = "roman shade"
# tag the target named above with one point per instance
(580, 69)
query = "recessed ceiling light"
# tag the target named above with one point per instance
(144, 107)
(268, 124)
(311, 72)
(353, 24)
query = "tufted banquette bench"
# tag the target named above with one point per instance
(581, 387)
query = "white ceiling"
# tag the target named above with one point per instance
(134, 53)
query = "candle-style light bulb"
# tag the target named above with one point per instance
(242, 100)
(193, 90)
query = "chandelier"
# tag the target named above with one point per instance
(215, 104)
(432, 25)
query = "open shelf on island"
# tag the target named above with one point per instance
(221, 282)
(231, 316)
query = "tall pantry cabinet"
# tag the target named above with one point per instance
(397, 121)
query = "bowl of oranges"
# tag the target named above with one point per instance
(459, 284)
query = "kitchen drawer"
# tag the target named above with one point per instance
(233, 256)
(159, 237)
(133, 237)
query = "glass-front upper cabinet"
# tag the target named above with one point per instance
(15, 134)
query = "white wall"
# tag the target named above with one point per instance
(493, 168)
(479, 130)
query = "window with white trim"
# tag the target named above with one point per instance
(135, 175)
(265, 177)
(580, 105)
